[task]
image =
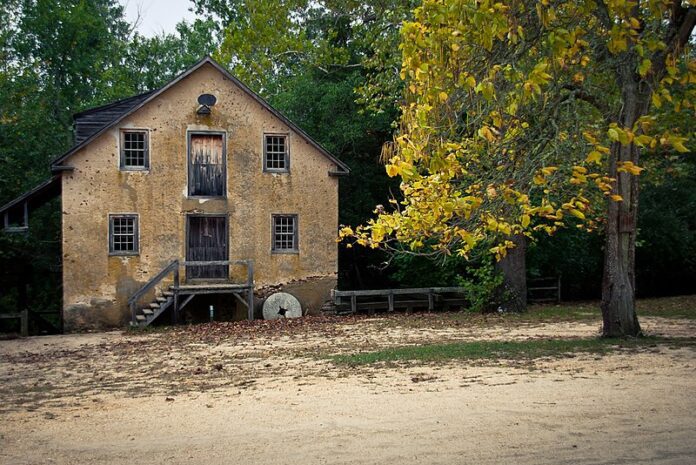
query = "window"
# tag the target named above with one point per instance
(123, 234)
(275, 153)
(284, 233)
(134, 150)
(207, 171)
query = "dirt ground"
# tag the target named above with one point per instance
(265, 393)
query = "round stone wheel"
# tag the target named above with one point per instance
(281, 305)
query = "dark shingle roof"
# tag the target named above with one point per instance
(89, 122)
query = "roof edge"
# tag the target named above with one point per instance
(110, 104)
(27, 195)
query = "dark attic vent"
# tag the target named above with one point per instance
(205, 101)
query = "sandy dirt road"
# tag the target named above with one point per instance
(264, 396)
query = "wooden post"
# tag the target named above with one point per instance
(175, 310)
(390, 299)
(250, 303)
(250, 273)
(250, 290)
(431, 301)
(558, 293)
(24, 331)
(353, 303)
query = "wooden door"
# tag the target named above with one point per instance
(206, 241)
(207, 165)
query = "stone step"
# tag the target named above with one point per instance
(167, 293)
(161, 299)
(154, 305)
(148, 312)
(140, 318)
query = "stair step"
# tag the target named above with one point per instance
(161, 299)
(148, 312)
(140, 318)
(154, 305)
(167, 293)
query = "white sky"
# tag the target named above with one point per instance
(157, 15)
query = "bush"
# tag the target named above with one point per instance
(482, 286)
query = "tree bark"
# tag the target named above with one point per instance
(618, 284)
(514, 269)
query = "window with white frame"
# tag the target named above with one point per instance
(123, 235)
(134, 150)
(284, 233)
(275, 153)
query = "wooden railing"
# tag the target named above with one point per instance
(248, 263)
(172, 268)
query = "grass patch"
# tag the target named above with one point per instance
(680, 307)
(505, 350)
(668, 307)
(574, 312)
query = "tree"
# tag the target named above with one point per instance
(266, 42)
(523, 116)
(150, 62)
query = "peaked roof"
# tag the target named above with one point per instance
(92, 123)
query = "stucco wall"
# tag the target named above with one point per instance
(97, 286)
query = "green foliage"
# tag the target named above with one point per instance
(666, 243)
(418, 271)
(483, 287)
(267, 42)
(481, 281)
(174, 53)
(574, 255)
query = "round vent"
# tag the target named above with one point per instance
(207, 99)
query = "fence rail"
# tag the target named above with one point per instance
(390, 299)
(548, 287)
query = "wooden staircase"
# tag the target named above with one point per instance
(176, 296)
(143, 316)
(147, 315)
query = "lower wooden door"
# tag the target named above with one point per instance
(206, 240)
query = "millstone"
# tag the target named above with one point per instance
(281, 305)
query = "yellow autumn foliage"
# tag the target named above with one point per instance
(499, 137)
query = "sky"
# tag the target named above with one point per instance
(157, 15)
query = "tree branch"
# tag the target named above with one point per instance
(677, 35)
(603, 14)
(581, 94)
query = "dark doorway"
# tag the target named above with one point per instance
(206, 241)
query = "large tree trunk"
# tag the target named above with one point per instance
(514, 269)
(618, 284)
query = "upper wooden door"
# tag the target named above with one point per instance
(207, 167)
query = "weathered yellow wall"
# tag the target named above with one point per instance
(97, 286)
